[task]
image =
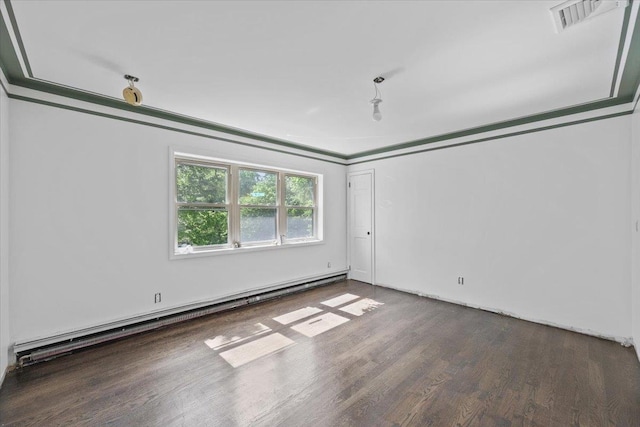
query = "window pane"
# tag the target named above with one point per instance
(299, 223)
(257, 187)
(201, 184)
(299, 191)
(202, 227)
(257, 224)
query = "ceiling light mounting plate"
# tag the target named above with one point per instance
(378, 79)
(131, 78)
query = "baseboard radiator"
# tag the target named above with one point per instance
(29, 353)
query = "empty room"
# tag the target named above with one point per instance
(319, 213)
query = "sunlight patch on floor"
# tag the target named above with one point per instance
(256, 349)
(293, 316)
(342, 299)
(319, 324)
(260, 346)
(358, 308)
(221, 341)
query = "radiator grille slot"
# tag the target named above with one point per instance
(572, 12)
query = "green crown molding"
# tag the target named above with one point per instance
(609, 102)
(628, 87)
(14, 24)
(164, 127)
(15, 76)
(629, 82)
(631, 73)
(498, 137)
(8, 59)
(93, 98)
(623, 34)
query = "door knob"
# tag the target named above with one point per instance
(368, 232)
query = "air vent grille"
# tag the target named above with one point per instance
(572, 12)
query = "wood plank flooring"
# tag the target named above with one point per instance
(410, 362)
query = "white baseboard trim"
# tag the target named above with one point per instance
(624, 341)
(26, 345)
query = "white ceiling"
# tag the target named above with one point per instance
(302, 71)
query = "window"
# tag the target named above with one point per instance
(223, 206)
(300, 205)
(201, 202)
(258, 206)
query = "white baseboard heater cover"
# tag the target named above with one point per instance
(31, 352)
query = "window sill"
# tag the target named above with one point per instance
(243, 249)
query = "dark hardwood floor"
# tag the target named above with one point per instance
(412, 361)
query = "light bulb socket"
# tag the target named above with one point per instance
(377, 115)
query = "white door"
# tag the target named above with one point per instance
(360, 188)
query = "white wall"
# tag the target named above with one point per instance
(537, 224)
(635, 206)
(5, 338)
(90, 212)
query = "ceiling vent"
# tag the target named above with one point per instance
(572, 12)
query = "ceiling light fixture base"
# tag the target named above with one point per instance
(132, 94)
(377, 99)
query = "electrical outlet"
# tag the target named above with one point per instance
(329, 265)
(460, 280)
(157, 298)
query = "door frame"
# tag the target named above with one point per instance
(372, 172)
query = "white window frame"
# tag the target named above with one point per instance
(226, 205)
(277, 206)
(234, 245)
(283, 217)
